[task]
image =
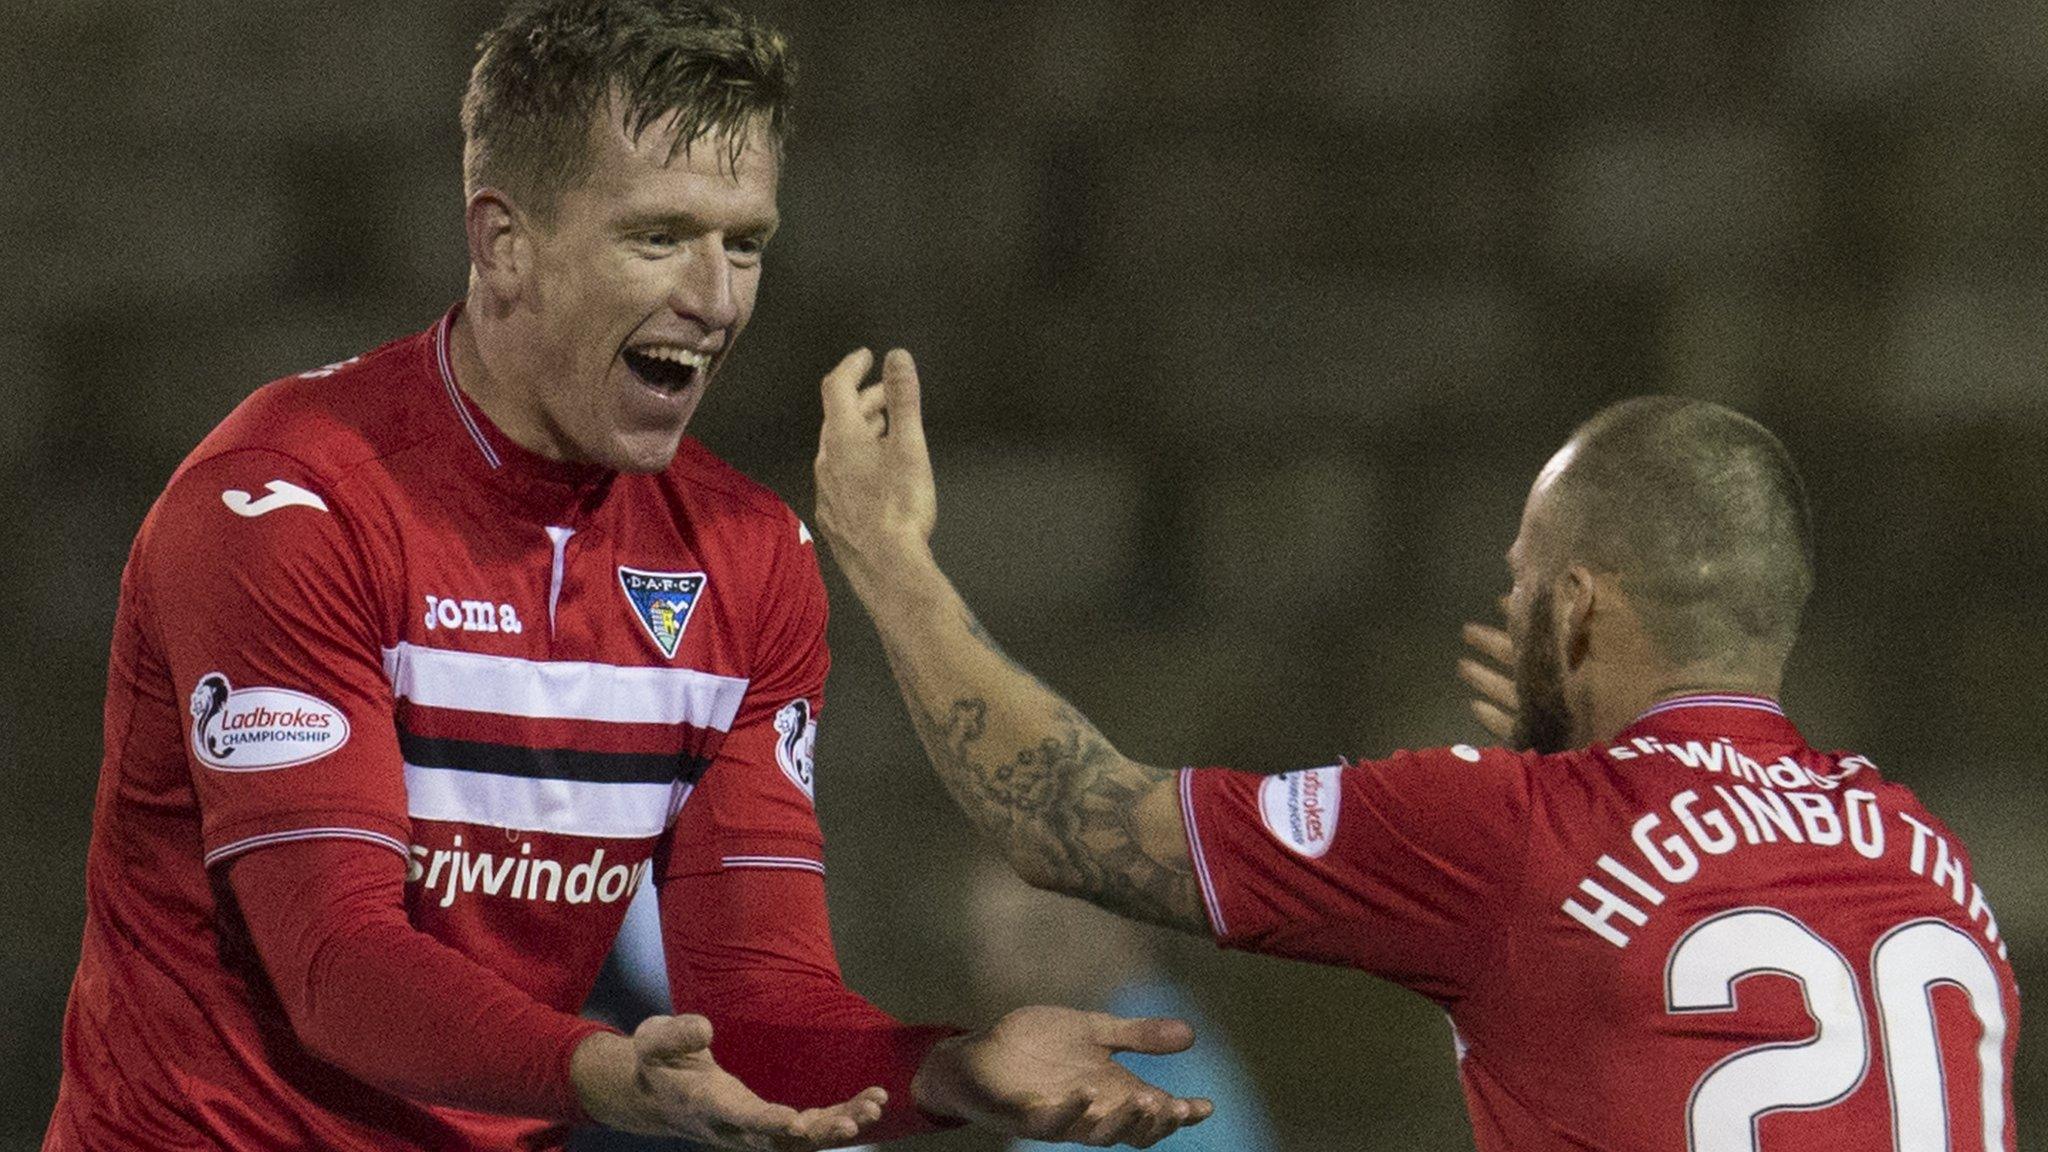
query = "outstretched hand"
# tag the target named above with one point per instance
(1487, 671)
(663, 1082)
(876, 499)
(1045, 1073)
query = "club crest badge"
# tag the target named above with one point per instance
(662, 601)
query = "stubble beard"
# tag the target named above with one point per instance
(1544, 722)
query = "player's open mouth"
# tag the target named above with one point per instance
(666, 368)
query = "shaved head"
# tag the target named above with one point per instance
(1699, 513)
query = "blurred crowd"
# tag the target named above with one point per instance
(1243, 329)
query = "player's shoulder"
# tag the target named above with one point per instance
(1486, 755)
(1576, 778)
(321, 426)
(1859, 772)
(1456, 760)
(719, 494)
(279, 481)
(1451, 773)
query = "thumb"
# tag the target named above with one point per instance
(1156, 1035)
(668, 1039)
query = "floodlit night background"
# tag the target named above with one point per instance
(1243, 328)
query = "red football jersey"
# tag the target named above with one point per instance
(1701, 935)
(360, 611)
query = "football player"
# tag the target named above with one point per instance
(1657, 919)
(427, 660)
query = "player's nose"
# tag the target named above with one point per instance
(703, 287)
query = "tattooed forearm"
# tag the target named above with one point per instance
(1071, 813)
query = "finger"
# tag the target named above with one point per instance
(874, 411)
(1106, 1125)
(847, 1117)
(1160, 1119)
(862, 1108)
(668, 1039)
(841, 386)
(902, 391)
(1157, 1035)
(1493, 719)
(840, 1123)
(1489, 682)
(1062, 1120)
(872, 402)
(1151, 1132)
(739, 1119)
(1177, 1113)
(1150, 1114)
(1493, 643)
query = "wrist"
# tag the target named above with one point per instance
(600, 1071)
(934, 1087)
(888, 570)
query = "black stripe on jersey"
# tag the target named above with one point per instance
(550, 763)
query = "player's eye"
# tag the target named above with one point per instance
(746, 249)
(655, 242)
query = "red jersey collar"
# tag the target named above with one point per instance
(551, 485)
(1730, 714)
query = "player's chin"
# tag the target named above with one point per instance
(643, 422)
(626, 441)
(644, 450)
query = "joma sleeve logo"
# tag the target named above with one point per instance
(283, 494)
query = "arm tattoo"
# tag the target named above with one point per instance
(1059, 800)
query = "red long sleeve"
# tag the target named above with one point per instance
(751, 949)
(389, 1005)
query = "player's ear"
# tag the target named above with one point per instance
(495, 231)
(1577, 598)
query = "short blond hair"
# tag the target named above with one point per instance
(549, 68)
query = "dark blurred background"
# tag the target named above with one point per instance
(1244, 328)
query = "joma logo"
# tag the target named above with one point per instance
(470, 615)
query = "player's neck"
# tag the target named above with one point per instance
(490, 391)
(1615, 698)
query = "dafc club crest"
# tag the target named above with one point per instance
(662, 601)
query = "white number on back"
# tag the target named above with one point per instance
(1715, 955)
(1904, 969)
(1700, 976)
